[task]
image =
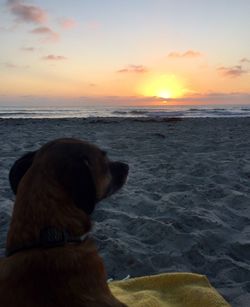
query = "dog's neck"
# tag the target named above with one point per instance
(34, 210)
(50, 237)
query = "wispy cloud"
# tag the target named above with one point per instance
(214, 98)
(245, 60)
(10, 65)
(29, 49)
(48, 34)
(52, 57)
(203, 99)
(33, 14)
(133, 69)
(233, 71)
(27, 13)
(67, 23)
(186, 54)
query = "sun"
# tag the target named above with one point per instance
(164, 86)
(164, 94)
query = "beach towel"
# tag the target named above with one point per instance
(168, 290)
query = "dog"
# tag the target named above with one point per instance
(51, 259)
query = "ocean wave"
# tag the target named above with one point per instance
(218, 109)
(120, 112)
(130, 112)
(147, 112)
(194, 110)
(166, 114)
(139, 112)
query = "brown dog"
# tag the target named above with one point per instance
(50, 260)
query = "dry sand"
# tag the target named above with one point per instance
(186, 206)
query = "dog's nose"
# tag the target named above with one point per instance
(124, 167)
(119, 172)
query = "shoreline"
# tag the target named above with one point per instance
(129, 111)
(185, 206)
(117, 119)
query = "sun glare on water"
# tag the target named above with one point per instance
(165, 86)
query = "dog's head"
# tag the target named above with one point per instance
(80, 168)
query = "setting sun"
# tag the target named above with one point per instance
(165, 86)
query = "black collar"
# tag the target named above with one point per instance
(49, 237)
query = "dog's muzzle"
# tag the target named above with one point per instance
(119, 174)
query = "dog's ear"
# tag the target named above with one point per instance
(19, 168)
(76, 178)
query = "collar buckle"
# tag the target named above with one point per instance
(51, 236)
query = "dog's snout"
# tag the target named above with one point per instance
(119, 173)
(123, 166)
(119, 168)
(126, 167)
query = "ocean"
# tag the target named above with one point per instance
(129, 111)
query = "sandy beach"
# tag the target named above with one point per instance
(185, 207)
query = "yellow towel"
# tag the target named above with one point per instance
(168, 290)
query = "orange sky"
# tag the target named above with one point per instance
(148, 52)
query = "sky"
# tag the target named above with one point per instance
(124, 52)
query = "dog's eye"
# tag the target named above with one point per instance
(86, 162)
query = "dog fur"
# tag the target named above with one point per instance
(58, 185)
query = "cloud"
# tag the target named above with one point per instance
(67, 23)
(52, 57)
(203, 99)
(134, 69)
(33, 14)
(29, 49)
(214, 98)
(233, 71)
(10, 65)
(245, 60)
(186, 54)
(27, 13)
(14, 66)
(49, 35)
